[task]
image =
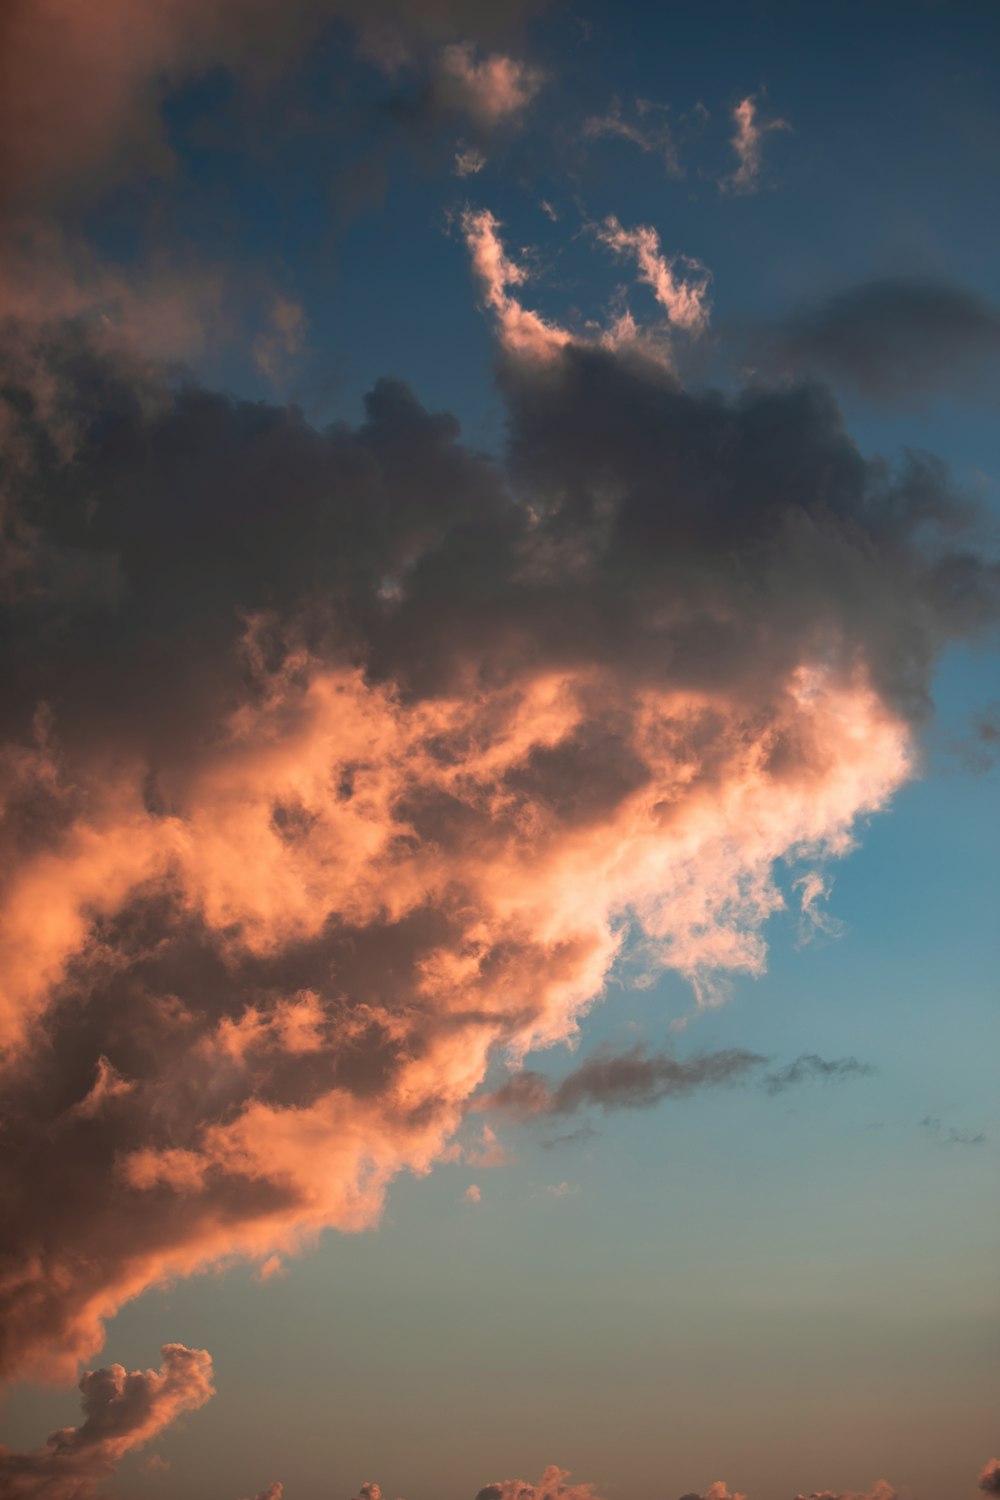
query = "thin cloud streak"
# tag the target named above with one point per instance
(637, 1079)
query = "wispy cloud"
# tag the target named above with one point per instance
(748, 144)
(637, 1079)
(683, 299)
(649, 130)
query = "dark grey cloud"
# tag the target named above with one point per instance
(634, 1079)
(809, 1066)
(637, 1079)
(894, 339)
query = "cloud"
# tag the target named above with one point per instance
(618, 1080)
(880, 1490)
(274, 1491)
(952, 1136)
(490, 90)
(527, 335)
(637, 1079)
(894, 339)
(553, 1485)
(341, 764)
(810, 1066)
(523, 332)
(468, 161)
(748, 144)
(650, 131)
(989, 1479)
(121, 1412)
(473, 1194)
(685, 302)
(82, 87)
(561, 1190)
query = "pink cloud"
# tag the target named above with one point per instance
(490, 90)
(521, 331)
(684, 301)
(748, 144)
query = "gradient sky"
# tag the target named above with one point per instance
(498, 756)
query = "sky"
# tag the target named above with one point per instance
(499, 744)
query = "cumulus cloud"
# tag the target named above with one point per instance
(748, 144)
(894, 339)
(717, 1491)
(553, 1485)
(121, 1412)
(274, 1491)
(335, 765)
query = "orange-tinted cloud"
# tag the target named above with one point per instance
(335, 766)
(121, 1412)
